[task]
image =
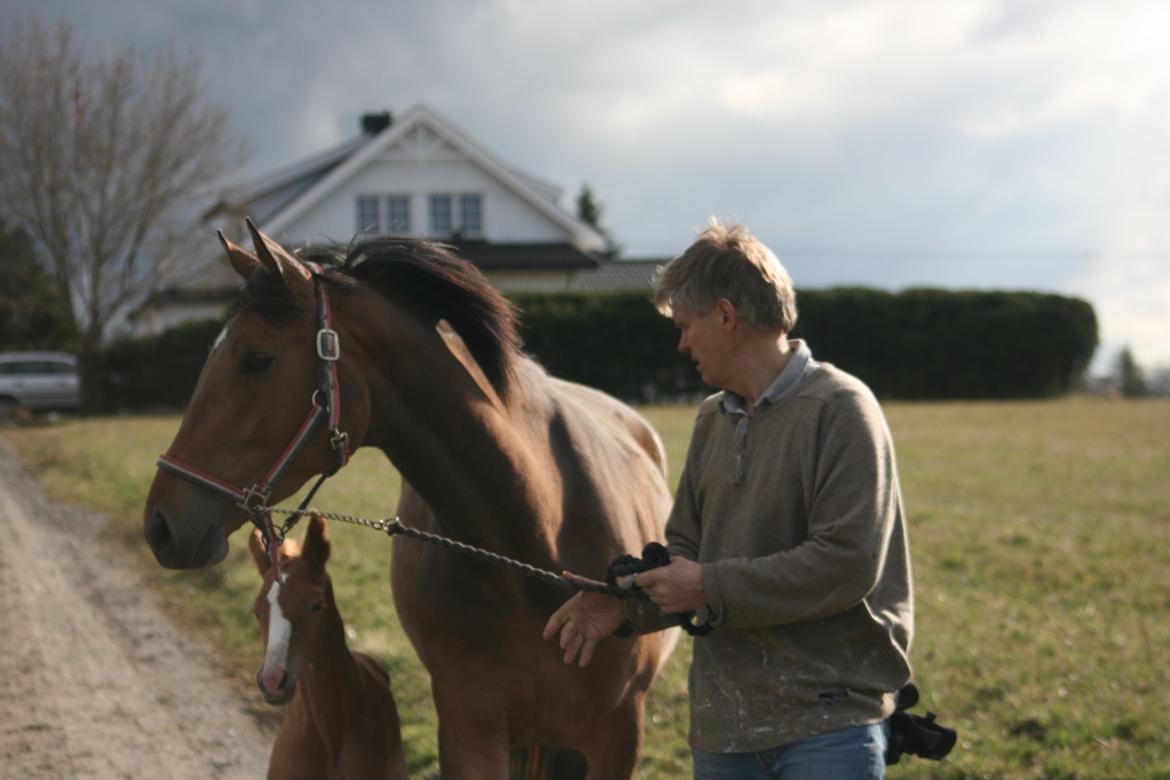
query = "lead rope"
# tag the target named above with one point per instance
(395, 527)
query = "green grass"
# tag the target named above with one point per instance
(1041, 542)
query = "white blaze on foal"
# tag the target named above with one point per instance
(279, 636)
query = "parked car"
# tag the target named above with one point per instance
(38, 381)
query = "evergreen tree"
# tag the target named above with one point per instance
(32, 313)
(589, 211)
(1130, 379)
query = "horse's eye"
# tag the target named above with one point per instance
(316, 606)
(256, 362)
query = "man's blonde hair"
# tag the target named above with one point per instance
(727, 261)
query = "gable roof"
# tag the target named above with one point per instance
(617, 276)
(265, 197)
(327, 178)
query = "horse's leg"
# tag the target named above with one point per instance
(614, 750)
(473, 744)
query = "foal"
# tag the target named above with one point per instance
(340, 720)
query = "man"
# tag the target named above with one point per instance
(787, 529)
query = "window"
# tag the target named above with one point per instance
(441, 215)
(367, 214)
(398, 214)
(470, 215)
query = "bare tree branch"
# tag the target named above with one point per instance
(100, 158)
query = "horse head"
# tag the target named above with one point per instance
(239, 443)
(291, 610)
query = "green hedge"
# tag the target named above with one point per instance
(616, 342)
(916, 344)
(940, 344)
(155, 372)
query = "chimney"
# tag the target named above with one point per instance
(372, 124)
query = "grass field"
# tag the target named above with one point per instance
(1041, 543)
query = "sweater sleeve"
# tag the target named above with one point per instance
(855, 501)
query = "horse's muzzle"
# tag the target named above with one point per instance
(283, 692)
(183, 548)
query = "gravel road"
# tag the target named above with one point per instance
(95, 680)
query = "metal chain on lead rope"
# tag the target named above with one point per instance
(395, 527)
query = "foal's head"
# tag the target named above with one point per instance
(291, 611)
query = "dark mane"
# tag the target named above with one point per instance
(424, 277)
(428, 279)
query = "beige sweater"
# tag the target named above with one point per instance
(796, 515)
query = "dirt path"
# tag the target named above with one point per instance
(95, 680)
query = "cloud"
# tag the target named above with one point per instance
(966, 143)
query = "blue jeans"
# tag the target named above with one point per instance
(853, 753)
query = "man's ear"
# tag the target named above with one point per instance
(725, 310)
(256, 547)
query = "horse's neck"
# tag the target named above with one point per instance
(460, 448)
(330, 682)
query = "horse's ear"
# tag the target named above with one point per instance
(242, 260)
(275, 257)
(256, 546)
(315, 550)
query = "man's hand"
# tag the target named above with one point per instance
(677, 587)
(583, 621)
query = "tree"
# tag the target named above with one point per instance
(1130, 380)
(589, 211)
(101, 157)
(32, 313)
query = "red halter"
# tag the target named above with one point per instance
(254, 498)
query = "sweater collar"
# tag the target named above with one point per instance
(799, 367)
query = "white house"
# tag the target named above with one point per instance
(415, 175)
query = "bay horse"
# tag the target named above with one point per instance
(427, 367)
(339, 720)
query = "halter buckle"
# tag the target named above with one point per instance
(256, 491)
(338, 439)
(328, 344)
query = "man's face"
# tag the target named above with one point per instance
(703, 337)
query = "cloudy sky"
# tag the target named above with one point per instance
(1022, 144)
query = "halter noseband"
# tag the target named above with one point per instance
(254, 498)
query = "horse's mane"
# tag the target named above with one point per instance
(424, 277)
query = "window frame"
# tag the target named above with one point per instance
(393, 226)
(364, 202)
(445, 198)
(465, 199)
